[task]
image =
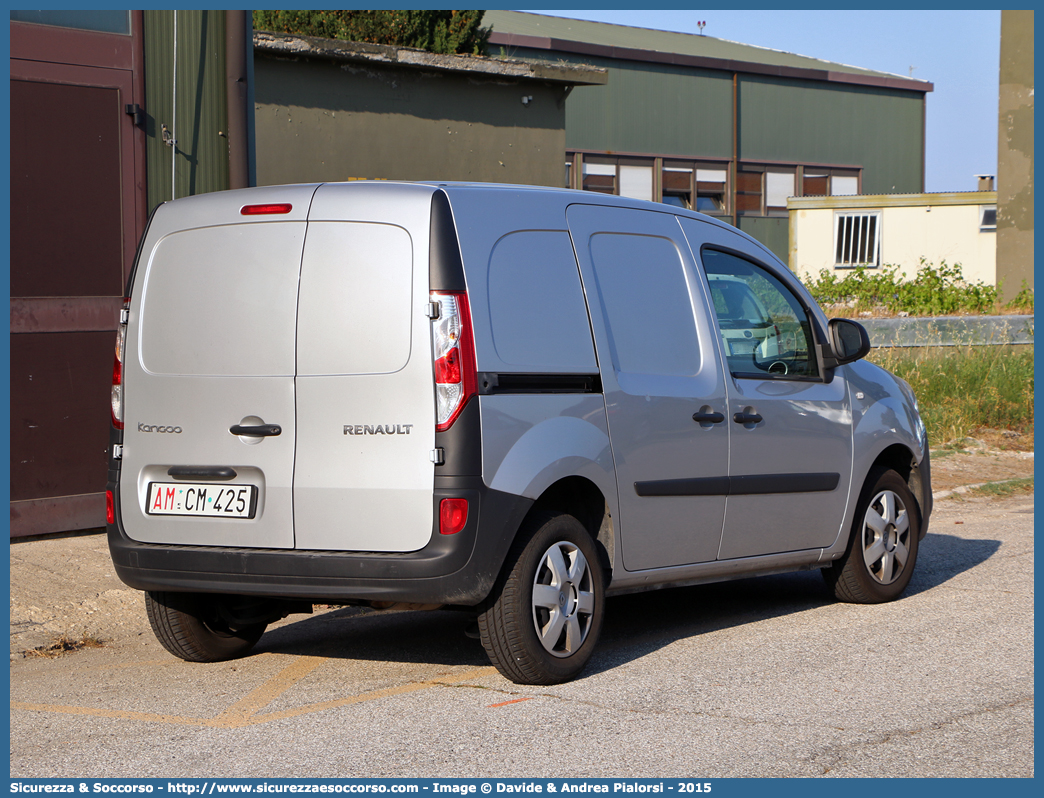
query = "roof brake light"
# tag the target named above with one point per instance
(269, 208)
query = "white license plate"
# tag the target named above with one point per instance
(208, 500)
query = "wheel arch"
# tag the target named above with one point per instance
(584, 500)
(900, 458)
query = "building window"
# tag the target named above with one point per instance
(829, 182)
(636, 182)
(600, 177)
(748, 191)
(815, 184)
(857, 240)
(844, 185)
(681, 181)
(988, 219)
(778, 186)
(712, 190)
(677, 186)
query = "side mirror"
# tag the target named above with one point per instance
(849, 340)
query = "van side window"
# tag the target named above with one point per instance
(764, 328)
(647, 306)
(536, 303)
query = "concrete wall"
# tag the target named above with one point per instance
(322, 120)
(936, 227)
(1015, 153)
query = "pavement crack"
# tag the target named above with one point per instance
(832, 757)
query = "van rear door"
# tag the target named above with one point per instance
(208, 451)
(364, 475)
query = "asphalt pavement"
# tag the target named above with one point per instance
(759, 677)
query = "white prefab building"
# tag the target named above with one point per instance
(839, 233)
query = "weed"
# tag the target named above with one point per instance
(963, 388)
(1023, 301)
(64, 645)
(933, 291)
(1004, 489)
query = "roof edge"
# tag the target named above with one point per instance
(892, 200)
(286, 44)
(706, 62)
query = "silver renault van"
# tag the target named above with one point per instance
(512, 400)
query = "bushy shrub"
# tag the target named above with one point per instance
(934, 291)
(436, 31)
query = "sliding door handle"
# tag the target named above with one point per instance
(747, 418)
(708, 418)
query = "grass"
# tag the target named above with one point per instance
(1002, 490)
(964, 388)
(933, 291)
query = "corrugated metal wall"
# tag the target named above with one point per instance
(813, 122)
(772, 231)
(653, 108)
(668, 110)
(202, 112)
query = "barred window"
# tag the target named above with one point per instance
(987, 218)
(857, 240)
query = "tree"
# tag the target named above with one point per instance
(435, 31)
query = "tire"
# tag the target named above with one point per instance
(542, 621)
(882, 549)
(189, 626)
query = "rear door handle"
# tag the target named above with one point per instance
(206, 472)
(260, 431)
(708, 418)
(747, 418)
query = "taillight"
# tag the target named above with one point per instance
(117, 368)
(454, 356)
(453, 515)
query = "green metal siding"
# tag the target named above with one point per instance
(772, 231)
(202, 121)
(799, 121)
(648, 108)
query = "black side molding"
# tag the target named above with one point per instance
(753, 485)
(704, 486)
(490, 383)
(782, 483)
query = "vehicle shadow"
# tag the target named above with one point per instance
(636, 624)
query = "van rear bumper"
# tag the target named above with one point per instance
(451, 569)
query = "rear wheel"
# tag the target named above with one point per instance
(882, 550)
(190, 626)
(542, 621)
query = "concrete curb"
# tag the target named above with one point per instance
(949, 331)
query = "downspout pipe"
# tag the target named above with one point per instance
(735, 145)
(237, 97)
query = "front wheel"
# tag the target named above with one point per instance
(542, 621)
(189, 626)
(882, 550)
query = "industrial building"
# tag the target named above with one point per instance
(726, 128)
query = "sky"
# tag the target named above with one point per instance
(957, 51)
